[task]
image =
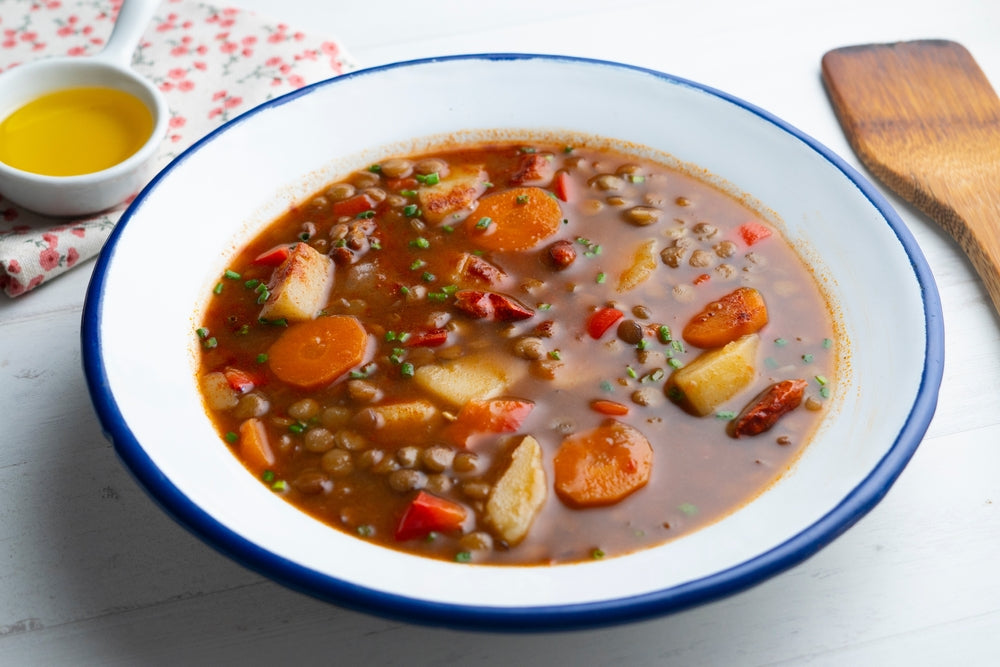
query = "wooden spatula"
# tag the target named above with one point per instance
(924, 119)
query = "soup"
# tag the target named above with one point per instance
(517, 353)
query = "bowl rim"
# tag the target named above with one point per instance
(858, 502)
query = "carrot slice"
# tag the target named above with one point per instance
(316, 352)
(602, 466)
(515, 219)
(737, 314)
(254, 446)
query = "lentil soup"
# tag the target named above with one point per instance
(517, 353)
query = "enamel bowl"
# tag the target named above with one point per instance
(157, 271)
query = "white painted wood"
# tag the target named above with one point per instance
(92, 572)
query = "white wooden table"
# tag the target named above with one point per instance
(92, 572)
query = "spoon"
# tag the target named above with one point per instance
(924, 119)
(92, 192)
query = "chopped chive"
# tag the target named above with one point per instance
(417, 264)
(821, 379)
(522, 199)
(447, 229)
(252, 283)
(637, 178)
(437, 296)
(262, 296)
(232, 275)
(261, 287)
(807, 358)
(231, 437)
(675, 362)
(428, 277)
(657, 375)
(664, 333)
(597, 554)
(420, 242)
(375, 168)
(827, 343)
(375, 244)
(279, 486)
(262, 358)
(483, 223)
(824, 391)
(211, 343)
(429, 179)
(202, 332)
(217, 289)
(463, 557)
(403, 337)
(631, 372)
(305, 236)
(404, 290)
(243, 330)
(449, 289)
(544, 306)
(642, 344)
(390, 336)
(601, 277)
(366, 530)
(607, 386)
(406, 369)
(688, 509)
(411, 210)
(408, 193)
(678, 346)
(340, 243)
(726, 414)
(780, 342)
(487, 184)
(555, 354)
(567, 149)
(267, 476)
(364, 215)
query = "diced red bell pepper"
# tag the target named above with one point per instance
(601, 320)
(496, 415)
(432, 338)
(274, 256)
(561, 186)
(610, 408)
(427, 514)
(241, 381)
(353, 205)
(752, 232)
(702, 278)
(397, 184)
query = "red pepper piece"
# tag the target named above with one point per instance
(274, 256)
(561, 186)
(241, 381)
(752, 232)
(601, 320)
(431, 338)
(353, 205)
(397, 184)
(491, 305)
(496, 415)
(764, 411)
(427, 514)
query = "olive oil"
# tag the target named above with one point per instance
(75, 131)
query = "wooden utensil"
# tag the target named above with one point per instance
(924, 119)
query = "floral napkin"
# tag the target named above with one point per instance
(211, 63)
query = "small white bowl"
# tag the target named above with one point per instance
(140, 354)
(86, 193)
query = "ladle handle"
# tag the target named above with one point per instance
(133, 17)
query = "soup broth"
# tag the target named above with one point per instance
(517, 354)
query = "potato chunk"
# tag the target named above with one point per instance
(519, 494)
(641, 268)
(299, 286)
(453, 197)
(715, 376)
(472, 378)
(406, 419)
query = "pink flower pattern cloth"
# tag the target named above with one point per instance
(211, 63)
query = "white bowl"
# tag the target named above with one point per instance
(175, 240)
